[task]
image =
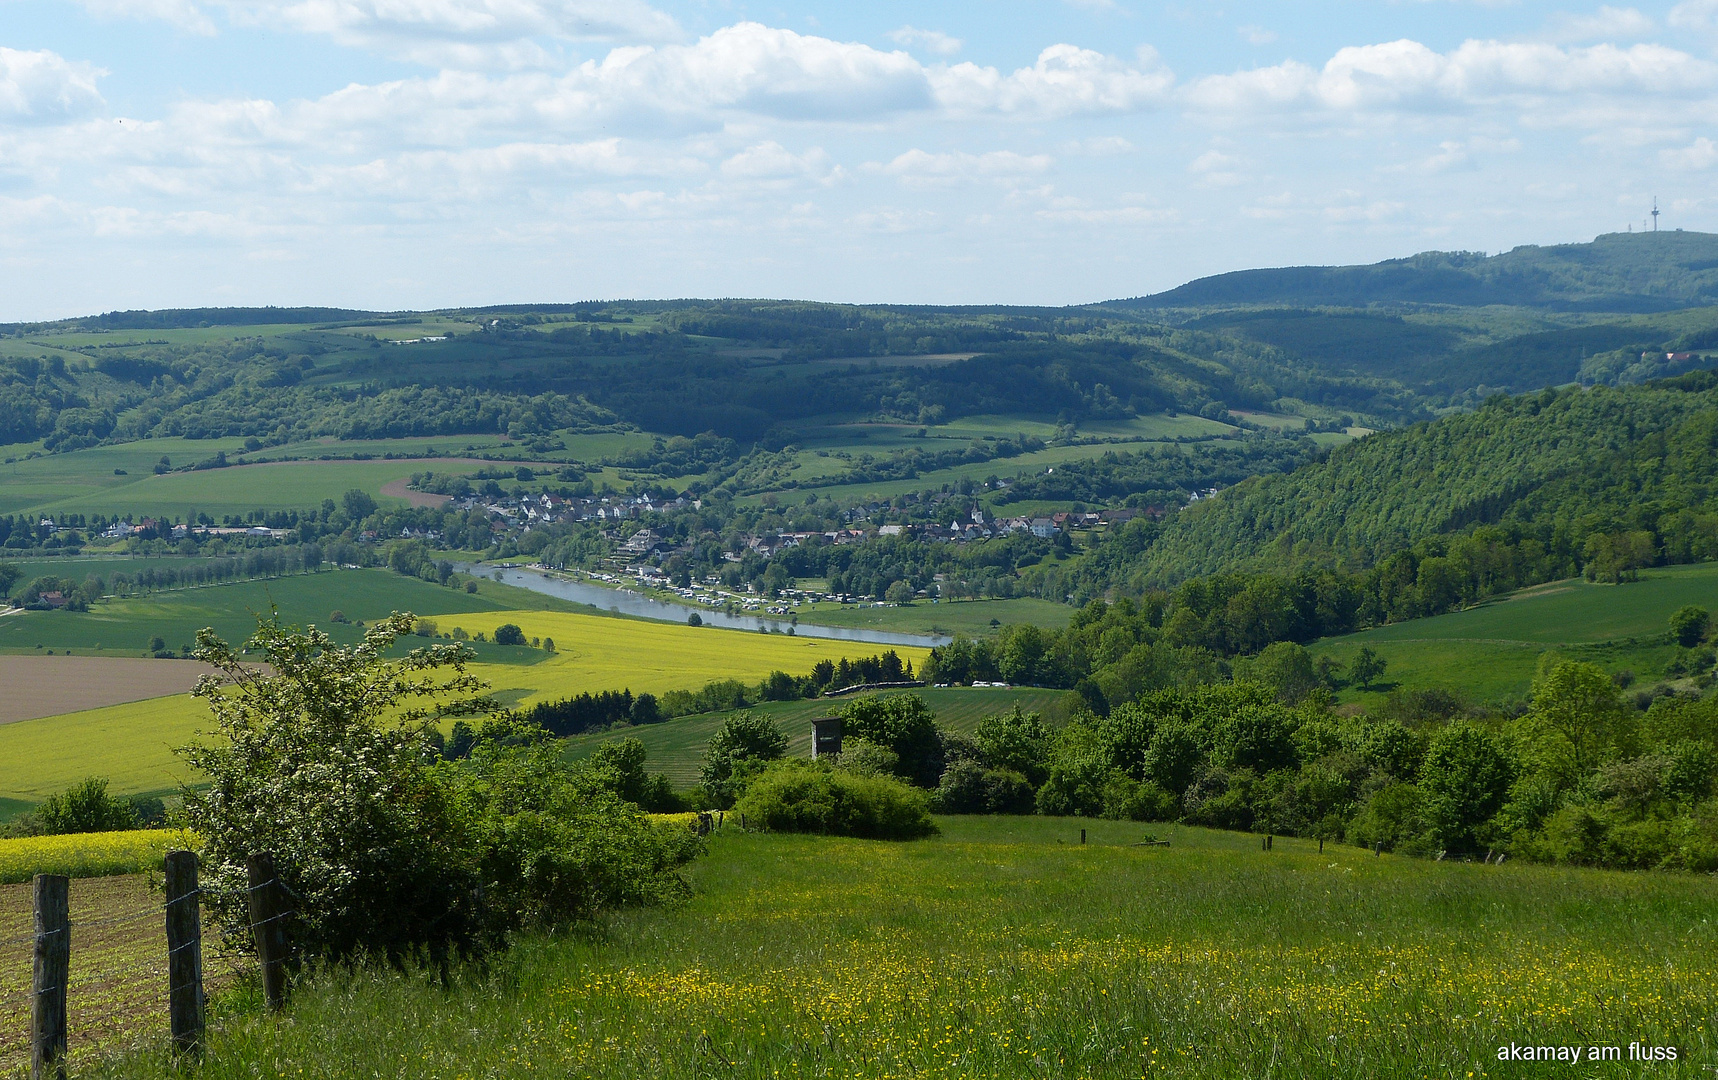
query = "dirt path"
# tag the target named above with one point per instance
(397, 489)
(36, 686)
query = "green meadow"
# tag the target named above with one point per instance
(126, 624)
(1490, 652)
(676, 747)
(1006, 948)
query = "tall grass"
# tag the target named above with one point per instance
(1006, 948)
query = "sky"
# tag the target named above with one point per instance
(391, 154)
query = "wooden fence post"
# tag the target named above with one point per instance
(52, 967)
(268, 923)
(184, 952)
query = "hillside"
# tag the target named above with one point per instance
(1559, 467)
(1616, 272)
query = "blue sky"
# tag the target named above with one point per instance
(423, 153)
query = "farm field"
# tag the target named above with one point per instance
(676, 747)
(1005, 948)
(132, 744)
(1007, 468)
(240, 489)
(88, 475)
(117, 994)
(293, 477)
(594, 653)
(1490, 652)
(49, 685)
(126, 624)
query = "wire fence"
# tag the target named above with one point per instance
(117, 983)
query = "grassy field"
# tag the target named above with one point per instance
(1005, 948)
(88, 476)
(1490, 652)
(127, 624)
(241, 489)
(676, 747)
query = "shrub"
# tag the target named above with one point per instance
(814, 798)
(739, 750)
(1688, 625)
(865, 758)
(1391, 816)
(85, 807)
(327, 765)
(1127, 799)
(509, 634)
(904, 724)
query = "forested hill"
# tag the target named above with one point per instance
(1557, 467)
(1617, 272)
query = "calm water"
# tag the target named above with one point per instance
(631, 603)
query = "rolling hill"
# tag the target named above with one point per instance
(1616, 272)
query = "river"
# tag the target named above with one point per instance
(631, 603)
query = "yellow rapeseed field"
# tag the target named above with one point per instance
(132, 744)
(597, 653)
(88, 854)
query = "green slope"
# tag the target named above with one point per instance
(1490, 652)
(1615, 272)
(1559, 465)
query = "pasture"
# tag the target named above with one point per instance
(125, 624)
(120, 479)
(240, 489)
(1006, 948)
(1490, 652)
(676, 747)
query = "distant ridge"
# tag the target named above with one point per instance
(1616, 272)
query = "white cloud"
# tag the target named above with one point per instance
(919, 168)
(45, 88)
(1697, 15)
(465, 33)
(1099, 146)
(930, 40)
(1407, 74)
(773, 162)
(181, 13)
(1256, 35)
(1702, 153)
(1606, 24)
(1065, 81)
(1217, 169)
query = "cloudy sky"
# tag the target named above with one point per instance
(419, 153)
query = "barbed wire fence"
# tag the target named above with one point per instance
(100, 965)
